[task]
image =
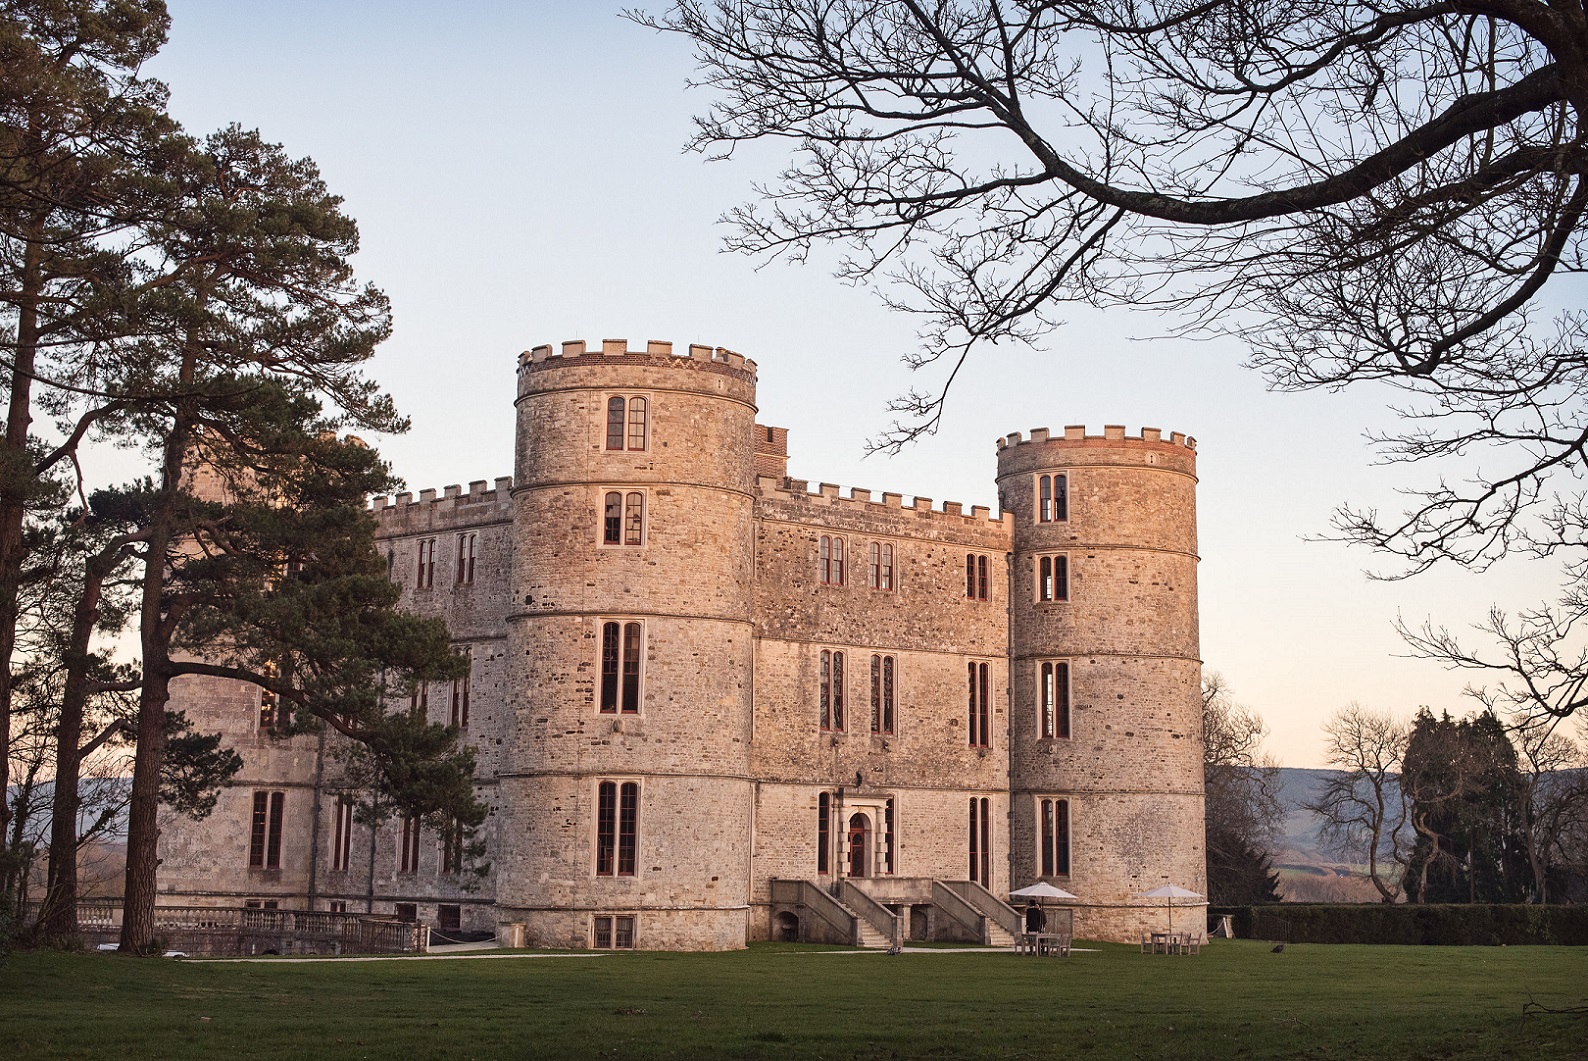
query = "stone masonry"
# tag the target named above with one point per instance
(693, 676)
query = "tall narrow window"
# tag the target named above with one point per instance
(824, 836)
(882, 697)
(612, 519)
(887, 839)
(634, 518)
(1053, 498)
(617, 828)
(885, 579)
(264, 841)
(342, 836)
(830, 550)
(874, 566)
(408, 853)
(981, 841)
(1053, 698)
(637, 414)
(621, 647)
(832, 690)
(272, 719)
(1053, 578)
(980, 700)
(466, 547)
(615, 420)
(976, 576)
(1055, 837)
(419, 700)
(427, 564)
(460, 692)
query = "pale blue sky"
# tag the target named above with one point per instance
(516, 172)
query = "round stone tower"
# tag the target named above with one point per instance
(1106, 732)
(625, 795)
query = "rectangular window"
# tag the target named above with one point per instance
(449, 918)
(980, 700)
(617, 828)
(406, 912)
(342, 836)
(419, 700)
(633, 412)
(466, 547)
(612, 932)
(637, 423)
(621, 652)
(1053, 698)
(264, 841)
(1054, 840)
(830, 553)
(337, 906)
(460, 692)
(1053, 578)
(270, 713)
(427, 564)
(824, 836)
(882, 694)
(879, 566)
(981, 841)
(832, 691)
(1053, 498)
(623, 518)
(408, 850)
(615, 419)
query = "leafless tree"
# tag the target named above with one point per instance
(1362, 812)
(1552, 799)
(1361, 191)
(1241, 786)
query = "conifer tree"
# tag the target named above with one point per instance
(76, 121)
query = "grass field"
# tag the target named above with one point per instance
(1234, 1000)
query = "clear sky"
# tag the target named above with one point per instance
(516, 170)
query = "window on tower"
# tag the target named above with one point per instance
(1053, 578)
(622, 653)
(1053, 498)
(1053, 698)
(623, 518)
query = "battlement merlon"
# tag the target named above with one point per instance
(578, 351)
(402, 514)
(1111, 433)
(828, 495)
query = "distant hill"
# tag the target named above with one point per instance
(1307, 873)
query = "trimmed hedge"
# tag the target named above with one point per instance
(1444, 924)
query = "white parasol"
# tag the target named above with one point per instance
(1171, 892)
(1042, 890)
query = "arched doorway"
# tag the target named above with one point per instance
(859, 845)
(786, 927)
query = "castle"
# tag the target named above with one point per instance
(712, 705)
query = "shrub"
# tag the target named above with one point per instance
(1448, 924)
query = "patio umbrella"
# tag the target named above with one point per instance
(1042, 890)
(1171, 892)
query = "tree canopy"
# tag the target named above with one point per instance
(1359, 191)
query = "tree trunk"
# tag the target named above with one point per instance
(15, 476)
(58, 919)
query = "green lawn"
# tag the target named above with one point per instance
(1235, 1000)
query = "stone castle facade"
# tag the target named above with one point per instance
(712, 705)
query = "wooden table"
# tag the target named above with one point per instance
(1046, 944)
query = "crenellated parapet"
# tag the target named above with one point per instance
(1112, 434)
(655, 353)
(858, 501)
(404, 514)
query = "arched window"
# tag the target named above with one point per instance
(634, 518)
(615, 421)
(832, 691)
(830, 551)
(623, 518)
(637, 413)
(1053, 698)
(1055, 837)
(980, 706)
(617, 828)
(882, 697)
(1053, 498)
(621, 652)
(824, 841)
(1053, 578)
